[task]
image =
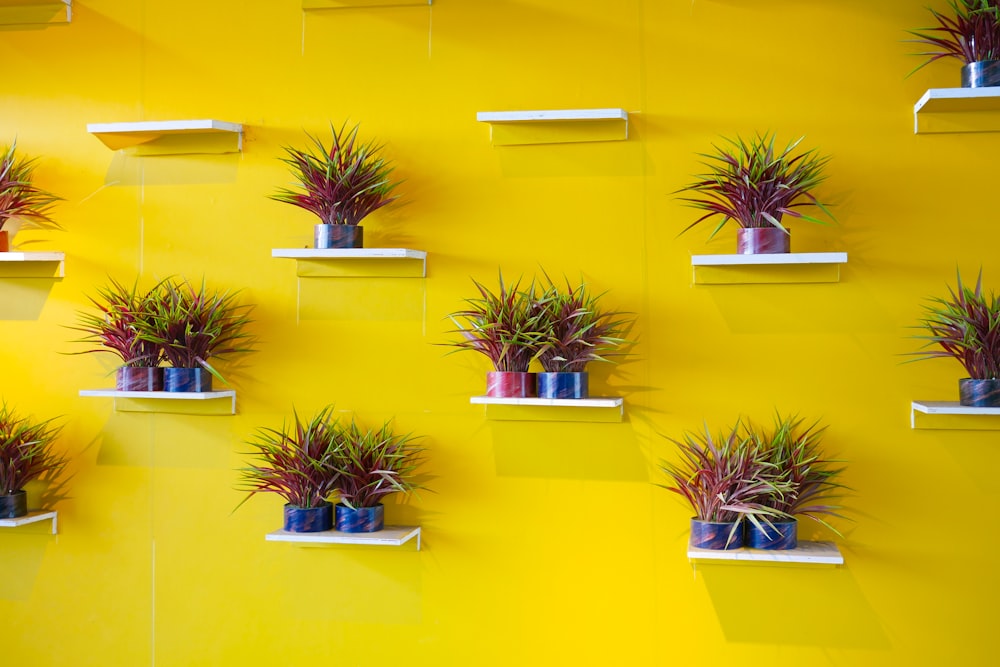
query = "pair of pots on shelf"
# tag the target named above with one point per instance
(132, 378)
(781, 534)
(542, 385)
(326, 517)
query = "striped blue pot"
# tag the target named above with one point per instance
(779, 535)
(308, 519)
(186, 379)
(13, 505)
(360, 519)
(716, 535)
(562, 385)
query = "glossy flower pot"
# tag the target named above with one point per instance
(762, 241)
(308, 519)
(562, 385)
(715, 535)
(510, 385)
(338, 236)
(983, 74)
(4, 241)
(135, 378)
(360, 519)
(779, 535)
(186, 379)
(979, 393)
(13, 505)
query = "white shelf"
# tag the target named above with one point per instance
(12, 258)
(776, 268)
(948, 415)
(550, 402)
(390, 536)
(362, 262)
(975, 107)
(124, 135)
(770, 259)
(552, 409)
(348, 253)
(511, 128)
(34, 12)
(351, 4)
(951, 408)
(200, 396)
(32, 517)
(550, 115)
(819, 553)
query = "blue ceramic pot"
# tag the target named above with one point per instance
(562, 385)
(13, 505)
(979, 393)
(308, 519)
(338, 236)
(779, 535)
(186, 379)
(982, 74)
(361, 519)
(715, 535)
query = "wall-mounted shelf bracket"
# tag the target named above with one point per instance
(513, 128)
(177, 402)
(390, 536)
(777, 268)
(33, 517)
(171, 137)
(552, 409)
(943, 110)
(356, 262)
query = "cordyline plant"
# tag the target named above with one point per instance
(723, 479)
(20, 200)
(298, 464)
(971, 35)
(965, 326)
(194, 324)
(371, 464)
(506, 326)
(26, 450)
(576, 329)
(341, 184)
(752, 184)
(122, 313)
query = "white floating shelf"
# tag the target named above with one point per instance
(390, 536)
(770, 259)
(786, 267)
(510, 128)
(957, 110)
(947, 415)
(361, 262)
(350, 4)
(34, 12)
(125, 135)
(32, 517)
(550, 402)
(8, 260)
(552, 409)
(170, 396)
(818, 553)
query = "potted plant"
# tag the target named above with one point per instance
(26, 454)
(122, 312)
(508, 329)
(341, 184)
(756, 186)
(723, 480)
(966, 326)
(795, 463)
(576, 331)
(298, 464)
(971, 35)
(192, 325)
(371, 464)
(23, 205)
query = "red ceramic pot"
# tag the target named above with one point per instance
(510, 385)
(761, 241)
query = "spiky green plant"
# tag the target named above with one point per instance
(122, 311)
(971, 34)
(341, 184)
(577, 330)
(20, 199)
(298, 464)
(965, 326)
(504, 326)
(26, 451)
(192, 325)
(372, 464)
(754, 185)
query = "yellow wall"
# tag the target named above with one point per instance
(544, 543)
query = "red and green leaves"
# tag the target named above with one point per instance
(26, 450)
(971, 35)
(19, 198)
(122, 312)
(373, 463)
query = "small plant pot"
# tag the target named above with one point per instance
(135, 378)
(714, 535)
(762, 241)
(779, 535)
(4, 241)
(979, 393)
(360, 519)
(339, 236)
(186, 379)
(982, 74)
(13, 505)
(308, 519)
(510, 385)
(562, 385)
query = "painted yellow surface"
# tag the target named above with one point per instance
(543, 543)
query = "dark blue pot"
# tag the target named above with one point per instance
(308, 519)
(779, 535)
(338, 236)
(13, 505)
(982, 74)
(186, 379)
(360, 520)
(979, 393)
(713, 535)
(562, 385)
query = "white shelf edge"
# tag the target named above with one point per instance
(32, 256)
(172, 395)
(784, 258)
(32, 517)
(934, 94)
(348, 253)
(165, 127)
(950, 408)
(823, 553)
(550, 115)
(393, 536)
(601, 402)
